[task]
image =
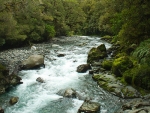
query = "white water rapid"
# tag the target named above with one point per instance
(60, 73)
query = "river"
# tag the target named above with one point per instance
(60, 73)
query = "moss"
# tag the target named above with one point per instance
(96, 77)
(107, 64)
(95, 54)
(2, 67)
(139, 76)
(120, 65)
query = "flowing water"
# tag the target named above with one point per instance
(60, 73)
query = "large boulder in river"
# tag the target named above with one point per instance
(83, 68)
(95, 54)
(89, 107)
(13, 100)
(34, 61)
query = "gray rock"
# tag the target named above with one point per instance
(70, 93)
(39, 79)
(135, 106)
(34, 61)
(89, 107)
(83, 68)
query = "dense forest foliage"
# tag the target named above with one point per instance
(31, 21)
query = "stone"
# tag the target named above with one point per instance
(83, 68)
(13, 100)
(135, 106)
(14, 80)
(112, 85)
(120, 65)
(39, 79)
(70, 93)
(61, 55)
(33, 62)
(89, 107)
(95, 54)
(107, 64)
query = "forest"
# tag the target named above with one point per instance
(23, 22)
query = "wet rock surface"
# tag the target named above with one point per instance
(83, 68)
(39, 79)
(33, 62)
(136, 106)
(13, 100)
(111, 84)
(89, 107)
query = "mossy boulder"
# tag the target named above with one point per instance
(89, 107)
(112, 85)
(120, 65)
(139, 76)
(13, 100)
(7, 80)
(107, 64)
(95, 54)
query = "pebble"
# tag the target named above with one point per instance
(13, 57)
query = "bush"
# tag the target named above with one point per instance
(49, 31)
(138, 76)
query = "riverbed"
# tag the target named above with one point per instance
(59, 73)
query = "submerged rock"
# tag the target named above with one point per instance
(13, 100)
(89, 107)
(39, 79)
(61, 55)
(83, 68)
(70, 93)
(34, 61)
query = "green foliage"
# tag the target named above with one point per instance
(138, 76)
(49, 31)
(142, 53)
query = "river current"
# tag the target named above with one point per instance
(60, 73)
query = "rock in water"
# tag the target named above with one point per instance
(39, 79)
(34, 61)
(95, 54)
(70, 93)
(13, 100)
(89, 107)
(83, 68)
